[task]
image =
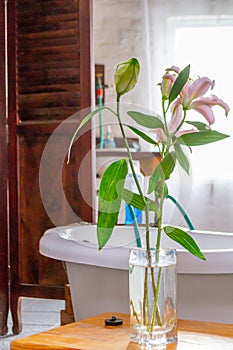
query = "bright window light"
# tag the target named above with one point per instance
(209, 51)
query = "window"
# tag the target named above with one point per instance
(208, 51)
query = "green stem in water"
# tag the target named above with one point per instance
(145, 299)
(155, 288)
(135, 314)
(155, 307)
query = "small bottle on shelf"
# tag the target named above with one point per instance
(109, 140)
(130, 211)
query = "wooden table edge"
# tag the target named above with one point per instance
(192, 326)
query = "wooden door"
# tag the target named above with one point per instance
(49, 80)
(3, 183)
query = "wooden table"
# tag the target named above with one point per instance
(92, 334)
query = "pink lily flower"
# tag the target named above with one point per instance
(204, 106)
(191, 96)
(195, 90)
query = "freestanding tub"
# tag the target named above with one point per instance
(99, 280)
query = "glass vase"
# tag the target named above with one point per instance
(152, 286)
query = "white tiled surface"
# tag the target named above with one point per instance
(38, 315)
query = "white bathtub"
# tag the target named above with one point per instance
(99, 280)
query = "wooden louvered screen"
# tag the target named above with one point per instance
(49, 70)
(48, 59)
(3, 184)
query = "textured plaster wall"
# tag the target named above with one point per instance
(119, 34)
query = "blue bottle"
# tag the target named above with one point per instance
(109, 141)
(130, 211)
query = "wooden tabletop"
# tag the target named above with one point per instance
(92, 334)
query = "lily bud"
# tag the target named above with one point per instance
(166, 85)
(126, 76)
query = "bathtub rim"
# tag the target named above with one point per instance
(54, 246)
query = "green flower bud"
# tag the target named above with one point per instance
(126, 76)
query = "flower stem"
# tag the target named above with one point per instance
(128, 150)
(130, 159)
(155, 307)
(145, 299)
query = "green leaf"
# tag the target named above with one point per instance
(199, 125)
(165, 192)
(158, 193)
(137, 201)
(200, 138)
(179, 84)
(162, 171)
(110, 194)
(142, 135)
(184, 239)
(126, 76)
(83, 122)
(149, 121)
(181, 157)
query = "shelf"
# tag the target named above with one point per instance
(114, 152)
(148, 160)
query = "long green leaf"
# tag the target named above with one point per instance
(200, 138)
(110, 195)
(162, 171)
(142, 135)
(185, 240)
(83, 122)
(137, 201)
(199, 125)
(149, 121)
(179, 84)
(181, 157)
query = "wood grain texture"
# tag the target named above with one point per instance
(4, 300)
(92, 334)
(48, 38)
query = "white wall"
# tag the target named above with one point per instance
(119, 34)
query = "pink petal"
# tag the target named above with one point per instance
(206, 111)
(176, 117)
(212, 101)
(161, 136)
(183, 132)
(198, 88)
(174, 69)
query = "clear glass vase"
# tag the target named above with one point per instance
(152, 286)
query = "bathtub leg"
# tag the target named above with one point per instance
(67, 315)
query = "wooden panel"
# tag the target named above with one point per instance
(33, 217)
(43, 45)
(3, 185)
(33, 212)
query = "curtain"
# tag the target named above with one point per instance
(208, 195)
